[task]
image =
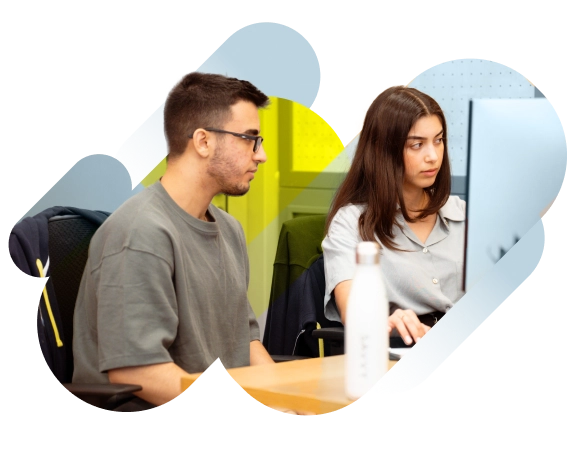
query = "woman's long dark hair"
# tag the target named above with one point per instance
(376, 175)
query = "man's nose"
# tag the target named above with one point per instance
(260, 155)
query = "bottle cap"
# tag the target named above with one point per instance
(367, 253)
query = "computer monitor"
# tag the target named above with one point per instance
(516, 164)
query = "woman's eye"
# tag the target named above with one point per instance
(416, 146)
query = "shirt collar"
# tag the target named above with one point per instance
(453, 210)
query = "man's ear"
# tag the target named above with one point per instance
(202, 143)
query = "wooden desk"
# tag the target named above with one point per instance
(311, 385)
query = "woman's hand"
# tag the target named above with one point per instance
(408, 325)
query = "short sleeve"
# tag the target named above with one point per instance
(253, 325)
(463, 206)
(137, 313)
(339, 254)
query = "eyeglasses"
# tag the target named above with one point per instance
(257, 139)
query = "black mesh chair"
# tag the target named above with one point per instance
(55, 243)
(69, 238)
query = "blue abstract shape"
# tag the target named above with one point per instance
(273, 57)
(466, 318)
(96, 182)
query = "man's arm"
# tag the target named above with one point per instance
(258, 354)
(160, 382)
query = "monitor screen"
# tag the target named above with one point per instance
(517, 160)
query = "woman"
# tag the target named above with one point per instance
(397, 192)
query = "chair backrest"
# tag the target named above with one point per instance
(295, 302)
(54, 243)
(69, 238)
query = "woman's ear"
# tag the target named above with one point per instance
(202, 142)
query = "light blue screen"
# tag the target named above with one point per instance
(517, 164)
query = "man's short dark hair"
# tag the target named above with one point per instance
(202, 100)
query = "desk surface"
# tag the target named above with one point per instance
(312, 385)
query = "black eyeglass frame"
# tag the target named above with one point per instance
(249, 137)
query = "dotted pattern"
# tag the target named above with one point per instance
(314, 142)
(454, 83)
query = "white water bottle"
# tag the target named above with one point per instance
(366, 336)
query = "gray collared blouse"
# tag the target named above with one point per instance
(425, 278)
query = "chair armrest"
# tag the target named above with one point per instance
(331, 334)
(102, 389)
(105, 396)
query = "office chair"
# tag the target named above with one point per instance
(296, 324)
(60, 238)
(296, 298)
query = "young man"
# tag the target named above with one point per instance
(164, 291)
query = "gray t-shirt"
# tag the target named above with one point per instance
(427, 277)
(161, 285)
